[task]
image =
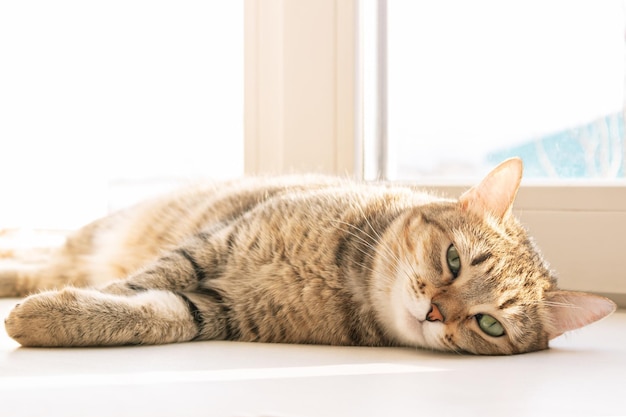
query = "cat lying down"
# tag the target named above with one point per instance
(304, 260)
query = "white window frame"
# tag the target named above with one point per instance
(300, 101)
(303, 113)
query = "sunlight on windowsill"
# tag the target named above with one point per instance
(217, 375)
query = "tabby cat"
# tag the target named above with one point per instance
(304, 260)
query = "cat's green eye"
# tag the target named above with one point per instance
(453, 260)
(489, 325)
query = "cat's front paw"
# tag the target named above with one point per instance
(87, 317)
(39, 320)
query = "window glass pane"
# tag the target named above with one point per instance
(471, 83)
(112, 100)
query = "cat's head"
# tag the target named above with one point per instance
(468, 278)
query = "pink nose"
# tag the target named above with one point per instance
(434, 314)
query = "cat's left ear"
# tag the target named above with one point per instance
(570, 310)
(496, 192)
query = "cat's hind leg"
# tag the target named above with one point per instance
(85, 317)
(181, 269)
(17, 280)
(20, 280)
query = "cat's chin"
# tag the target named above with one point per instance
(407, 314)
(409, 329)
(420, 333)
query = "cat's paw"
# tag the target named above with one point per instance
(41, 319)
(87, 317)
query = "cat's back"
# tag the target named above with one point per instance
(126, 240)
(176, 215)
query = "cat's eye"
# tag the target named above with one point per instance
(489, 325)
(453, 260)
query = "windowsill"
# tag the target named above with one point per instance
(583, 374)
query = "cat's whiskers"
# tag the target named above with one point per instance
(549, 303)
(375, 249)
(453, 348)
(557, 304)
(370, 245)
(368, 254)
(380, 238)
(377, 239)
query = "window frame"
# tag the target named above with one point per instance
(304, 112)
(301, 100)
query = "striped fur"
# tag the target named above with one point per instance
(302, 260)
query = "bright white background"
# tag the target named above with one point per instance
(97, 95)
(470, 77)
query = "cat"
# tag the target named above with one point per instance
(304, 260)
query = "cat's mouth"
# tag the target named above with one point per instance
(410, 315)
(414, 327)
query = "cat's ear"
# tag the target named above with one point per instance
(570, 310)
(496, 192)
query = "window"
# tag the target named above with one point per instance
(104, 102)
(456, 87)
(468, 84)
(472, 83)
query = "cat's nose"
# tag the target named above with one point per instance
(434, 314)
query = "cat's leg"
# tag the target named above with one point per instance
(18, 280)
(162, 303)
(200, 259)
(86, 317)
(23, 280)
(65, 265)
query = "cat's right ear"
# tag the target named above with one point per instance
(570, 310)
(496, 192)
